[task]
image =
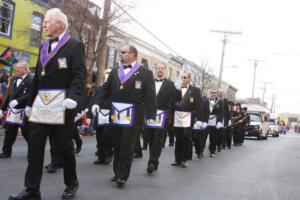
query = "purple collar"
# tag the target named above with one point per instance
(124, 77)
(45, 56)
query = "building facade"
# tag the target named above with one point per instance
(21, 27)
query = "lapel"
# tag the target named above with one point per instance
(163, 85)
(187, 94)
(17, 89)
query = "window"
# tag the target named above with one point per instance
(6, 17)
(170, 73)
(177, 74)
(36, 29)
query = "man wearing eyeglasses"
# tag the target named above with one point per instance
(187, 108)
(131, 89)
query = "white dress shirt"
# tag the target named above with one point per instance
(19, 81)
(128, 69)
(183, 90)
(158, 85)
(55, 43)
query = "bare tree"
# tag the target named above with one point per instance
(208, 81)
(86, 24)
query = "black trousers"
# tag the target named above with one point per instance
(124, 140)
(220, 137)
(197, 141)
(156, 140)
(77, 138)
(11, 132)
(183, 144)
(228, 136)
(55, 157)
(104, 143)
(213, 138)
(238, 133)
(203, 137)
(138, 147)
(63, 137)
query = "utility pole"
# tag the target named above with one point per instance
(254, 74)
(103, 39)
(224, 41)
(273, 104)
(265, 89)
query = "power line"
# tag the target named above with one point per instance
(146, 29)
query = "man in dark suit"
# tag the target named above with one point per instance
(104, 143)
(216, 115)
(221, 131)
(187, 108)
(200, 137)
(58, 84)
(155, 133)
(131, 89)
(16, 101)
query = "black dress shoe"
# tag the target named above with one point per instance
(136, 155)
(3, 155)
(121, 182)
(99, 162)
(27, 195)
(114, 179)
(176, 163)
(171, 144)
(78, 149)
(51, 169)
(183, 165)
(200, 156)
(70, 191)
(108, 160)
(150, 168)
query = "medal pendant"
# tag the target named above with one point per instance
(43, 72)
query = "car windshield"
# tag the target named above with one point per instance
(271, 123)
(255, 118)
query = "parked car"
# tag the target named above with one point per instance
(273, 128)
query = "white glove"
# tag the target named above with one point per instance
(28, 111)
(78, 117)
(1, 113)
(204, 125)
(95, 109)
(86, 110)
(198, 124)
(13, 103)
(219, 125)
(150, 121)
(69, 104)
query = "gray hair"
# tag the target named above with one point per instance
(59, 16)
(24, 64)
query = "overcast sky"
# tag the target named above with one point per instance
(269, 32)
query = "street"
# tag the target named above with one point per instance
(260, 170)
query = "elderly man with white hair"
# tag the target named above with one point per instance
(58, 84)
(15, 103)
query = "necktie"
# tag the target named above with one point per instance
(184, 87)
(127, 66)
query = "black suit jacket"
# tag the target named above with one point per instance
(205, 108)
(226, 112)
(20, 93)
(144, 97)
(190, 102)
(218, 110)
(165, 95)
(72, 78)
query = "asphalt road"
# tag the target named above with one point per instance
(258, 170)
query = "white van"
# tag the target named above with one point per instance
(258, 126)
(273, 125)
